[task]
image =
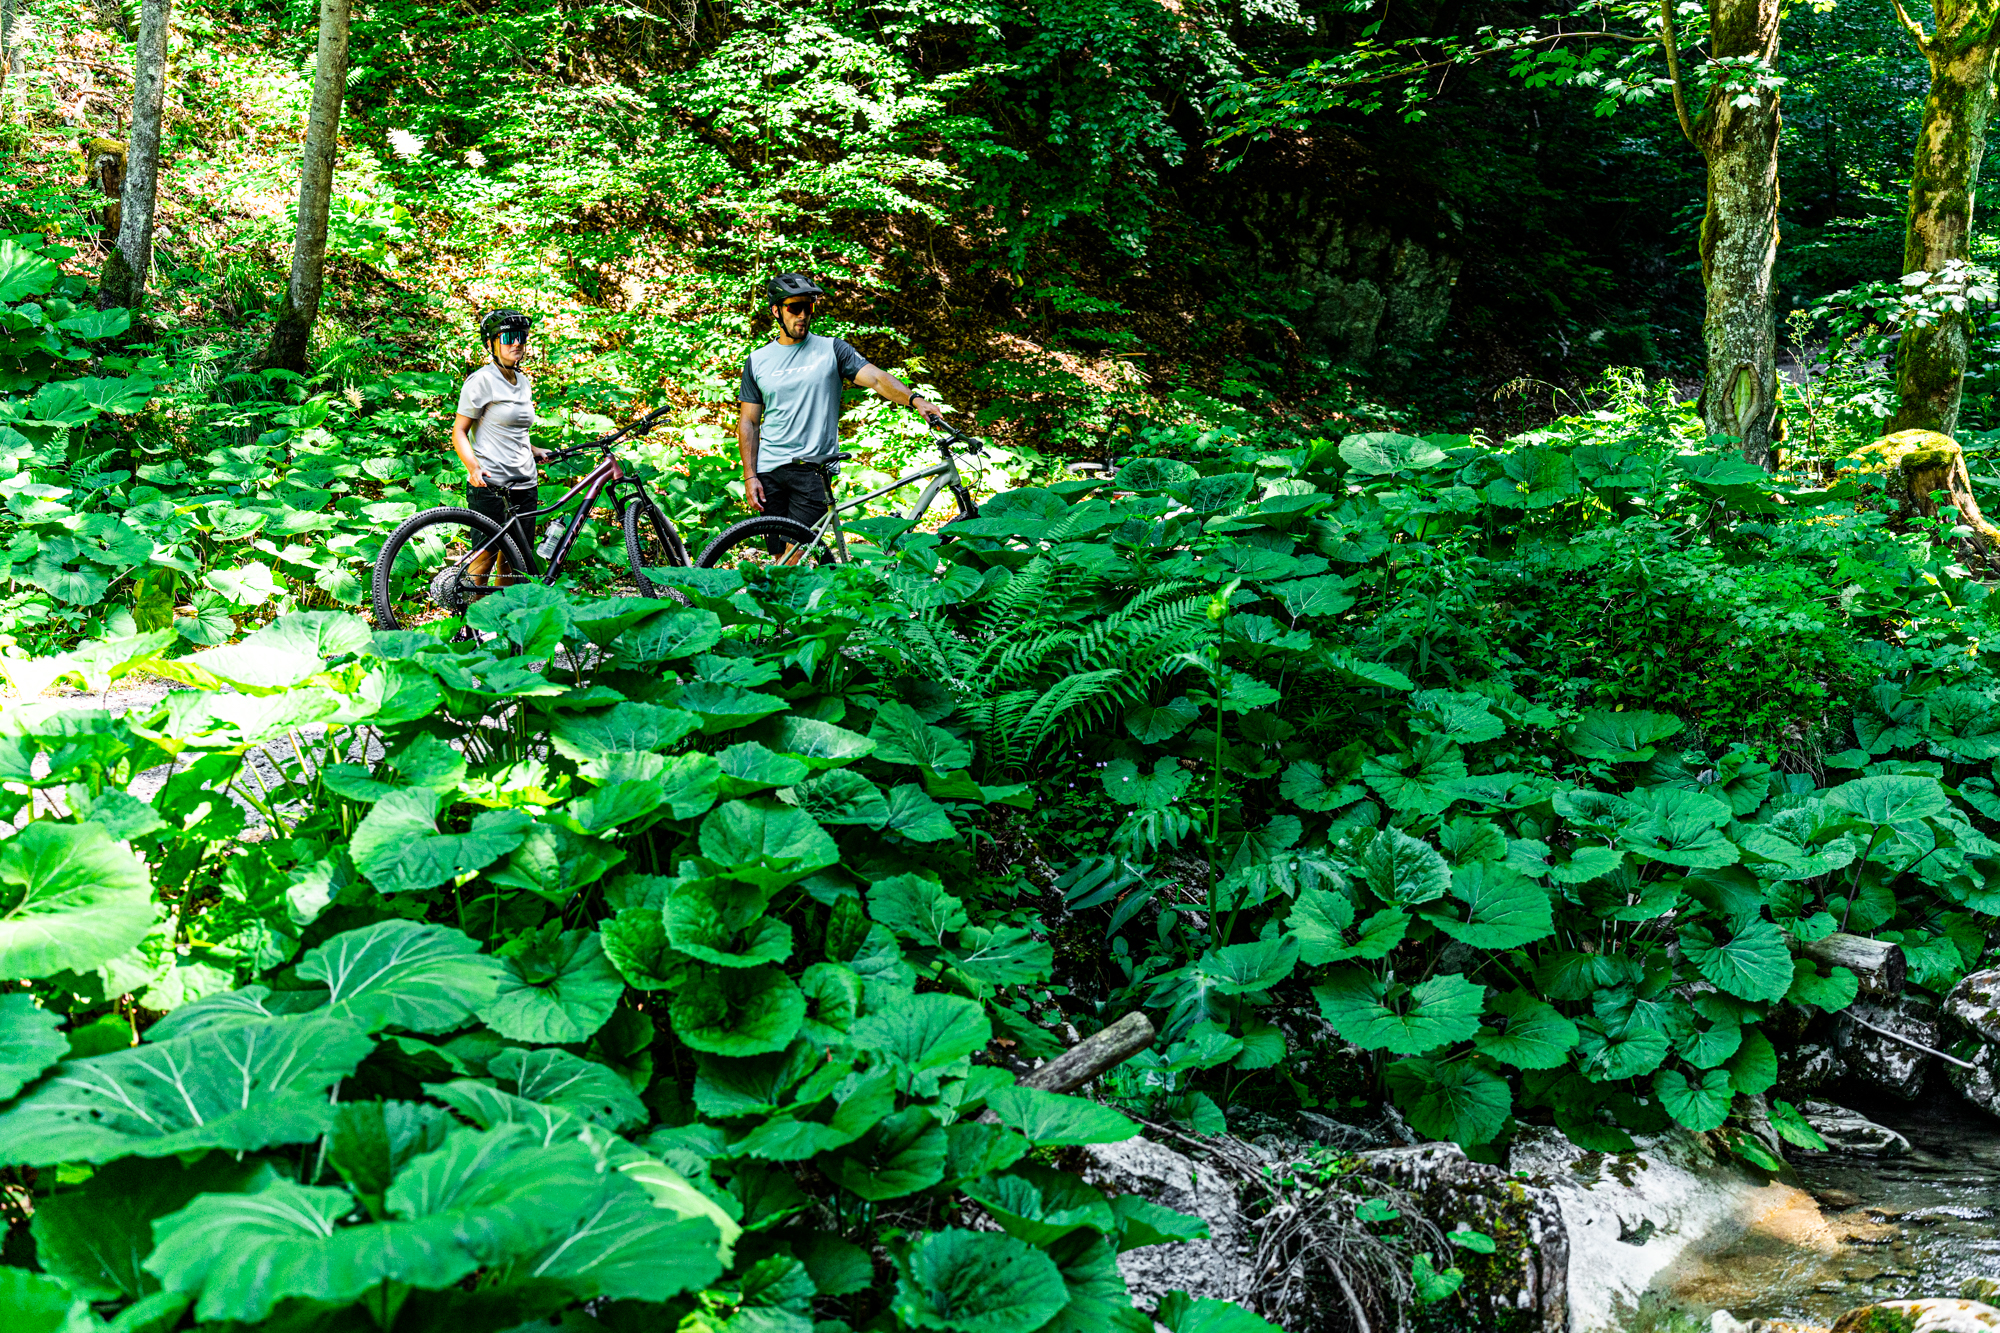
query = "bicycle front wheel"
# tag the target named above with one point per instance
(749, 544)
(439, 562)
(651, 543)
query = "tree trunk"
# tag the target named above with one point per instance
(6, 50)
(1930, 359)
(287, 349)
(1738, 134)
(125, 268)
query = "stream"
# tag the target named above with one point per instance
(1926, 1224)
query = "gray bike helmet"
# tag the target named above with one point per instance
(788, 285)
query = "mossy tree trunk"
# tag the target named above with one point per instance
(125, 267)
(1930, 360)
(1738, 133)
(287, 349)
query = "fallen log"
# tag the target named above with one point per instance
(1877, 964)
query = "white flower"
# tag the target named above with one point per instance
(474, 158)
(405, 143)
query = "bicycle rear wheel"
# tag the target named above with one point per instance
(651, 543)
(747, 545)
(439, 562)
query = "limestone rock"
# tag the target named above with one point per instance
(1212, 1268)
(1937, 1314)
(1972, 1027)
(1851, 1132)
(1882, 1062)
(1523, 1286)
(1651, 1220)
(1808, 1067)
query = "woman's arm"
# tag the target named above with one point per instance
(461, 427)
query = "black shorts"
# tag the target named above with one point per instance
(796, 491)
(501, 502)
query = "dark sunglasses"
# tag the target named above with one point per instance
(798, 307)
(512, 338)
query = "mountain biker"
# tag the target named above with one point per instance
(788, 410)
(496, 407)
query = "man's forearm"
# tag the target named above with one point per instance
(746, 440)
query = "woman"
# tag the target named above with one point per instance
(495, 409)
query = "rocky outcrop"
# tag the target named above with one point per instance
(1808, 1067)
(1880, 1061)
(1972, 1027)
(1938, 1314)
(1215, 1268)
(1851, 1132)
(1523, 1286)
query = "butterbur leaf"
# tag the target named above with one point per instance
(1431, 1285)
(914, 815)
(557, 986)
(1793, 1127)
(1141, 1222)
(1009, 956)
(1403, 870)
(722, 923)
(1241, 969)
(978, 1282)
(398, 848)
(69, 898)
(1701, 1106)
(400, 973)
(837, 1267)
(585, 1089)
(242, 1088)
(916, 907)
(817, 744)
(766, 843)
(1605, 1057)
(1375, 1015)
(901, 1154)
(636, 943)
(622, 727)
(31, 1040)
(1754, 1067)
(925, 1033)
(1305, 785)
(93, 1238)
(1890, 798)
(902, 736)
(1184, 1314)
(738, 1011)
(1618, 737)
(749, 767)
(622, 1246)
(371, 1141)
(1041, 1205)
(1503, 908)
(1455, 1100)
(1150, 724)
(833, 998)
(1753, 964)
(1831, 993)
(1048, 1119)
(1535, 1035)
(843, 797)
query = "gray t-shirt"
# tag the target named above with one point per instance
(799, 389)
(504, 412)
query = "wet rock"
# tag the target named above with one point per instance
(1724, 1322)
(1972, 1027)
(1523, 1286)
(1880, 1061)
(1838, 1200)
(1851, 1132)
(1212, 1268)
(1809, 1067)
(1338, 1134)
(1654, 1220)
(1937, 1314)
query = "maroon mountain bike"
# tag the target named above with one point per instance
(439, 562)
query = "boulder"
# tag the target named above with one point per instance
(1808, 1067)
(1851, 1132)
(1214, 1268)
(1972, 1029)
(1937, 1314)
(1523, 1286)
(1677, 1217)
(1880, 1061)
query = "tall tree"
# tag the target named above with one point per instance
(1737, 133)
(287, 349)
(124, 280)
(1930, 359)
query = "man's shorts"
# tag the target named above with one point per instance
(796, 491)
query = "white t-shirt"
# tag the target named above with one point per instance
(504, 412)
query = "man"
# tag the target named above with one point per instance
(788, 413)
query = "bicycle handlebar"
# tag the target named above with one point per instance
(640, 427)
(953, 435)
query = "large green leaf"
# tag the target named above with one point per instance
(31, 1040)
(1535, 1035)
(1400, 869)
(623, 1246)
(1700, 1106)
(1892, 798)
(721, 922)
(843, 797)
(1182, 1314)
(977, 1282)
(1050, 1119)
(585, 1089)
(1608, 1057)
(94, 1237)
(738, 1011)
(25, 273)
(925, 1033)
(1454, 1100)
(1503, 908)
(482, 1198)
(1378, 1016)
(820, 745)
(398, 848)
(1242, 969)
(901, 1154)
(1323, 920)
(765, 842)
(372, 1141)
(916, 907)
(404, 974)
(902, 736)
(1618, 737)
(70, 898)
(242, 1087)
(622, 727)
(557, 986)
(1753, 964)
(1378, 453)
(1039, 1204)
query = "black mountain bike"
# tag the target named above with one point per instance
(439, 562)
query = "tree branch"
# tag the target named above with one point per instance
(1914, 28)
(1674, 67)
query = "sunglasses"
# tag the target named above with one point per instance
(512, 339)
(798, 307)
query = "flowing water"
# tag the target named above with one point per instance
(1926, 1224)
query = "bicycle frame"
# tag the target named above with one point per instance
(942, 475)
(624, 489)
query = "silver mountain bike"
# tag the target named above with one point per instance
(769, 539)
